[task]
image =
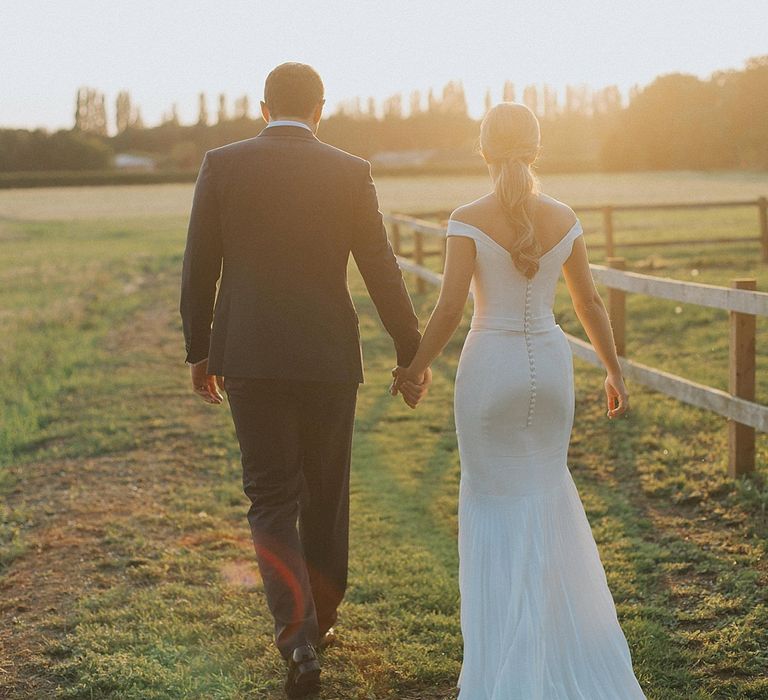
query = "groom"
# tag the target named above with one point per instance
(274, 220)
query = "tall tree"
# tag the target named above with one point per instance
(137, 122)
(123, 111)
(549, 106)
(349, 108)
(415, 103)
(393, 107)
(531, 98)
(433, 104)
(81, 110)
(673, 123)
(611, 99)
(90, 111)
(745, 105)
(454, 98)
(242, 107)
(202, 110)
(578, 100)
(171, 117)
(100, 124)
(221, 116)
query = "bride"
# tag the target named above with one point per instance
(537, 617)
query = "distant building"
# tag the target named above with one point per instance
(129, 161)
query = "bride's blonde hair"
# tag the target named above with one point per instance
(509, 141)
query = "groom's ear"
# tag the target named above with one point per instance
(264, 111)
(318, 112)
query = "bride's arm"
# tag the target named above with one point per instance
(590, 309)
(457, 275)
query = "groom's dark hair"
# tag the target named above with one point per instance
(293, 89)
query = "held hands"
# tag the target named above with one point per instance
(413, 387)
(207, 386)
(616, 396)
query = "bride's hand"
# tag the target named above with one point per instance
(411, 385)
(616, 395)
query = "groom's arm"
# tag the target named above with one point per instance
(381, 273)
(202, 265)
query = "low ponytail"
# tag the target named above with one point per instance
(509, 138)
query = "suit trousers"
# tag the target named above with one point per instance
(295, 443)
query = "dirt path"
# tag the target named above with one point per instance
(72, 505)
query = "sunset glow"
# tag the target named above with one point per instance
(169, 52)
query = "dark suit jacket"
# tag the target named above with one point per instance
(276, 217)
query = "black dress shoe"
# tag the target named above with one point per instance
(329, 639)
(303, 673)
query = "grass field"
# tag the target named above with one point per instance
(407, 194)
(126, 569)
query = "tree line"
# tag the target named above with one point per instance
(676, 122)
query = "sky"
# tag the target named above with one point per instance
(169, 51)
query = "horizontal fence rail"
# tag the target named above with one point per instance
(640, 206)
(608, 210)
(741, 301)
(421, 272)
(700, 395)
(671, 205)
(712, 296)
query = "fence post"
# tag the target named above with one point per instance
(396, 238)
(617, 302)
(418, 258)
(762, 205)
(608, 231)
(741, 383)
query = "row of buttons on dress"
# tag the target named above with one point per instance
(531, 361)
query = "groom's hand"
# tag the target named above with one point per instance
(205, 385)
(413, 388)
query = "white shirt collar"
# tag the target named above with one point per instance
(288, 122)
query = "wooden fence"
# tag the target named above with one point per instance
(609, 244)
(741, 301)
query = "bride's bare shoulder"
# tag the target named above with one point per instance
(553, 213)
(475, 212)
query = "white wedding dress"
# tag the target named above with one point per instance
(537, 617)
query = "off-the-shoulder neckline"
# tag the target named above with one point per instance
(498, 245)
